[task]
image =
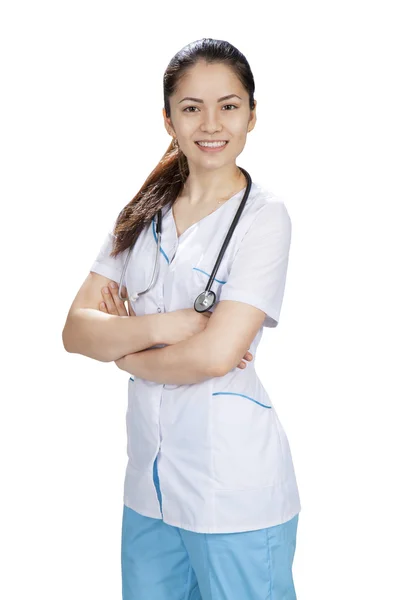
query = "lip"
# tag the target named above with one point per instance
(211, 141)
(217, 149)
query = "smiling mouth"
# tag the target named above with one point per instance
(215, 144)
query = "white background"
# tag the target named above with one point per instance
(81, 129)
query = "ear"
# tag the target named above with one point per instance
(253, 118)
(167, 123)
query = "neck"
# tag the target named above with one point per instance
(211, 187)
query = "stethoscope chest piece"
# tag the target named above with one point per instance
(204, 301)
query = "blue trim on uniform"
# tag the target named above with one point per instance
(248, 397)
(157, 483)
(155, 237)
(219, 280)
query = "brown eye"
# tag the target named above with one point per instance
(186, 109)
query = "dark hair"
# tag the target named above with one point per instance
(165, 182)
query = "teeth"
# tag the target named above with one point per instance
(211, 144)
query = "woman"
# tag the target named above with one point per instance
(210, 497)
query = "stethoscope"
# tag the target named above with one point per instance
(206, 299)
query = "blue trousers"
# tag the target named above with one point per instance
(163, 562)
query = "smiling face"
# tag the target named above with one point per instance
(209, 104)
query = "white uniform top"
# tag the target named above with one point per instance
(224, 462)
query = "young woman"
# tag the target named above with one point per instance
(211, 502)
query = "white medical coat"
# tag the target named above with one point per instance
(224, 462)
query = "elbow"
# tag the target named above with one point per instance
(75, 342)
(224, 363)
(215, 356)
(218, 361)
(65, 339)
(221, 371)
(69, 333)
(218, 367)
(69, 336)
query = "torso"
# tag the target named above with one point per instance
(224, 464)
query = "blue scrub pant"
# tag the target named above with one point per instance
(163, 562)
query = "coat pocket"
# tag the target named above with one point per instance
(246, 444)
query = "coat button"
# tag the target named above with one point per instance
(159, 310)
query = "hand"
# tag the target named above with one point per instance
(248, 356)
(112, 304)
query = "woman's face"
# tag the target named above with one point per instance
(208, 117)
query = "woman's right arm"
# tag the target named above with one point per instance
(111, 334)
(107, 337)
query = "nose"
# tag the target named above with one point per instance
(210, 123)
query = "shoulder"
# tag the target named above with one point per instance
(268, 209)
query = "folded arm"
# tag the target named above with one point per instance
(186, 362)
(109, 334)
(211, 353)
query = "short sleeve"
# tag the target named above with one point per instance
(258, 272)
(107, 265)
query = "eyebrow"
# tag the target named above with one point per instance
(202, 101)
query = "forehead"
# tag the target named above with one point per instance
(208, 81)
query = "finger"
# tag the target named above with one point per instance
(130, 310)
(119, 304)
(242, 364)
(108, 299)
(248, 356)
(103, 307)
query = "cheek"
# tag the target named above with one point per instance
(240, 132)
(185, 128)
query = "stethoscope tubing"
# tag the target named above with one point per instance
(206, 299)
